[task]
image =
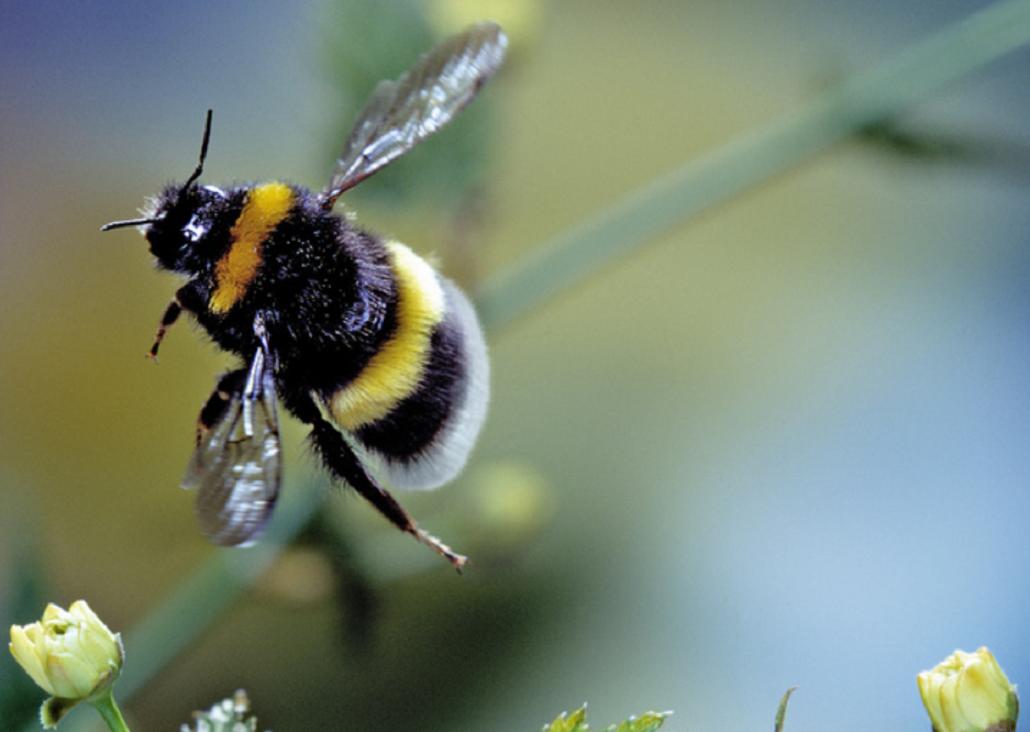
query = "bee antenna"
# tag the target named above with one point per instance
(127, 222)
(203, 152)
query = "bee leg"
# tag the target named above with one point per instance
(344, 464)
(216, 404)
(171, 314)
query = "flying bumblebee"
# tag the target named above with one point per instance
(328, 318)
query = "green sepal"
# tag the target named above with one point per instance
(54, 709)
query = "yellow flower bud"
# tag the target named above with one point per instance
(521, 19)
(513, 499)
(968, 692)
(70, 653)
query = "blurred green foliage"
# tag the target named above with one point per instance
(23, 597)
(357, 599)
(914, 142)
(918, 145)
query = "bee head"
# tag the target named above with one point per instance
(179, 219)
(178, 231)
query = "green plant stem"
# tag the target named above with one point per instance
(109, 710)
(907, 78)
(880, 93)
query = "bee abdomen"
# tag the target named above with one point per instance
(418, 405)
(427, 439)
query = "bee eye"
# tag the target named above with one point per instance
(195, 230)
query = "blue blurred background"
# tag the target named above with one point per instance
(784, 445)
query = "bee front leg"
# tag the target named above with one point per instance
(171, 314)
(339, 457)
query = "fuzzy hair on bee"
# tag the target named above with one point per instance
(354, 334)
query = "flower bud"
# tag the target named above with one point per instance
(70, 653)
(968, 692)
(511, 505)
(521, 19)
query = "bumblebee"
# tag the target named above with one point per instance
(356, 335)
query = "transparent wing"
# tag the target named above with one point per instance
(402, 113)
(236, 467)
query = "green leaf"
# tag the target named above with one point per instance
(781, 712)
(577, 722)
(565, 722)
(646, 722)
(228, 715)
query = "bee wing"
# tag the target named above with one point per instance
(402, 113)
(236, 466)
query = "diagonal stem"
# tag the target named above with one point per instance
(880, 93)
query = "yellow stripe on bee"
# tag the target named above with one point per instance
(394, 372)
(266, 206)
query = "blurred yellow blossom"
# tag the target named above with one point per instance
(520, 18)
(512, 504)
(968, 692)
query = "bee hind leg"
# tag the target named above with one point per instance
(229, 384)
(341, 460)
